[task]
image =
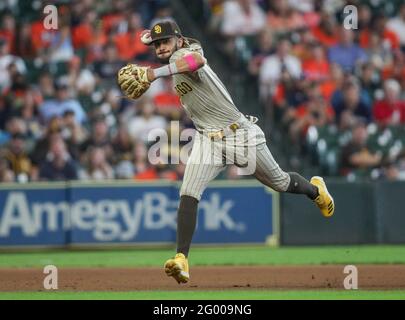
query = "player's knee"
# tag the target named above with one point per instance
(281, 182)
(280, 187)
(191, 193)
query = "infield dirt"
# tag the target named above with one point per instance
(206, 278)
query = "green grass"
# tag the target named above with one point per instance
(248, 255)
(252, 255)
(209, 295)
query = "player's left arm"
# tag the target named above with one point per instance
(188, 63)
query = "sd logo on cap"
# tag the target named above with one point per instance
(158, 29)
(164, 30)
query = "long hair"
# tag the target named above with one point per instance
(189, 41)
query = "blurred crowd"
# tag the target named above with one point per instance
(318, 66)
(62, 115)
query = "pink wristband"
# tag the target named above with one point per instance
(191, 62)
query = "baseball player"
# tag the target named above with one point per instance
(220, 126)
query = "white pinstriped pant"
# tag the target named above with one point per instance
(247, 147)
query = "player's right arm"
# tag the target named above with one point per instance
(189, 62)
(184, 60)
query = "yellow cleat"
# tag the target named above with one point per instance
(177, 268)
(324, 201)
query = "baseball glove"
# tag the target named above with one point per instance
(133, 80)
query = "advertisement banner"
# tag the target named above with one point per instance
(132, 213)
(34, 216)
(123, 214)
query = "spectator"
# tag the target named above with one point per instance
(18, 89)
(83, 29)
(395, 68)
(379, 55)
(58, 164)
(8, 31)
(114, 16)
(5, 114)
(61, 103)
(263, 48)
(40, 37)
(167, 102)
(394, 171)
(347, 122)
(284, 52)
(283, 19)
(365, 16)
(15, 125)
(129, 43)
(141, 126)
(124, 170)
(108, 67)
(215, 14)
(17, 158)
(314, 112)
(397, 25)
(41, 147)
(29, 114)
(180, 169)
(351, 102)
(302, 5)
(163, 13)
(347, 54)
(100, 137)
(122, 145)
(166, 172)
(370, 80)
(316, 68)
(389, 39)
(98, 168)
(275, 65)
(71, 77)
(96, 44)
(303, 41)
(72, 132)
(390, 110)
(143, 169)
(61, 46)
(326, 32)
(5, 60)
(46, 86)
(356, 154)
(290, 93)
(6, 174)
(241, 18)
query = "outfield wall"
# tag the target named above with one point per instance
(60, 214)
(77, 214)
(366, 213)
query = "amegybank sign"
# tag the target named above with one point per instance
(129, 214)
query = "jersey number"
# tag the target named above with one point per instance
(183, 88)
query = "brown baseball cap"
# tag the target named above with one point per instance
(164, 30)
